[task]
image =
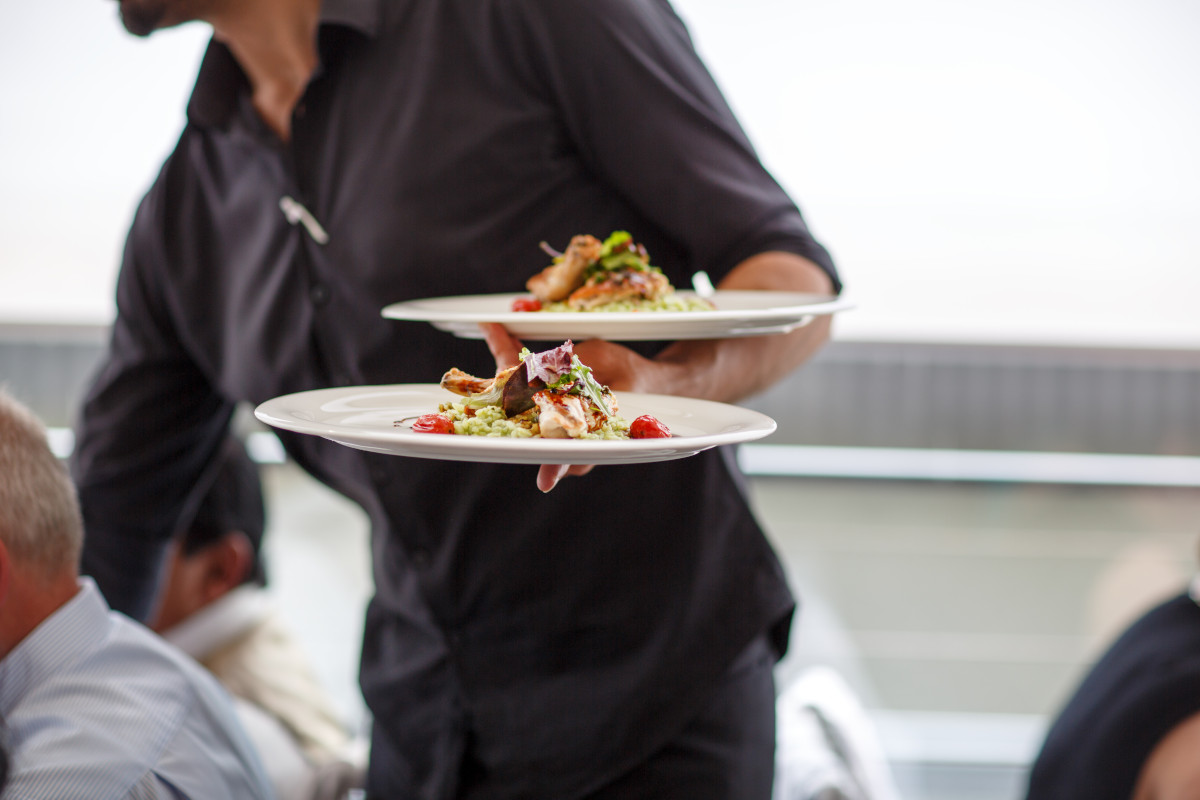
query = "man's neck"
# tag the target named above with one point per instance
(29, 602)
(274, 41)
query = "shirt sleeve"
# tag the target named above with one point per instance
(149, 425)
(30, 784)
(649, 120)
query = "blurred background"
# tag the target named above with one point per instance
(994, 466)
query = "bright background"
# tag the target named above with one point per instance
(1012, 172)
(988, 176)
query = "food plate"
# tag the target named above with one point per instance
(737, 313)
(363, 417)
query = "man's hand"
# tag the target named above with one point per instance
(726, 370)
(614, 366)
(506, 349)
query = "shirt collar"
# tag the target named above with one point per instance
(78, 627)
(220, 78)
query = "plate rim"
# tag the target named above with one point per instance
(820, 305)
(795, 309)
(755, 425)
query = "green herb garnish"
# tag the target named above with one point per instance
(581, 376)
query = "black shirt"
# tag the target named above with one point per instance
(438, 143)
(1144, 685)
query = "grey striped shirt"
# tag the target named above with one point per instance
(99, 707)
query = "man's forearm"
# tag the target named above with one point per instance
(730, 370)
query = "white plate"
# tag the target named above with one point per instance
(737, 313)
(364, 417)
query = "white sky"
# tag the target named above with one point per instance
(1018, 171)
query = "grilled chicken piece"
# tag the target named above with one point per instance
(560, 416)
(477, 390)
(459, 382)
(557, 281)
(620, 285)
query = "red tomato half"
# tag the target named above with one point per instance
(526, 304)
(433, 423)
(647, 427)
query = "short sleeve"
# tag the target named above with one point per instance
(650, 121)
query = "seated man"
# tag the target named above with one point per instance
(1132, 728)
(95, 705)
(215, 608)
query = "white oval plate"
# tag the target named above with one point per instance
(365, 417)
(737, 313)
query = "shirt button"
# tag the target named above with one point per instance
(380, 476)
(420, 559)
(301, 109)
(319, 294)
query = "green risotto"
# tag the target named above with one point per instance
(671, 302)
(490, 421)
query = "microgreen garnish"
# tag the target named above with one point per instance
(560, 368)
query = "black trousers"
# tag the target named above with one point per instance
(725, 753)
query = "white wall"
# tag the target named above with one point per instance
(998, 171)
(87, 114)
(1023, 170)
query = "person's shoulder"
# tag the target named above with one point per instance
(131, 641)
(141, 674)
(178, 181)
(199, 717)
(588, 32)
(189, 158)
(126, 705)
(111, 716)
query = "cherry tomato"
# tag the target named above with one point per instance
(433, 423)
(526, 304)
(647, 427)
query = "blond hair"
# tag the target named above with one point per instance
(40, 523)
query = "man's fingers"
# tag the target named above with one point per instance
(505, 347)
(550, 474)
